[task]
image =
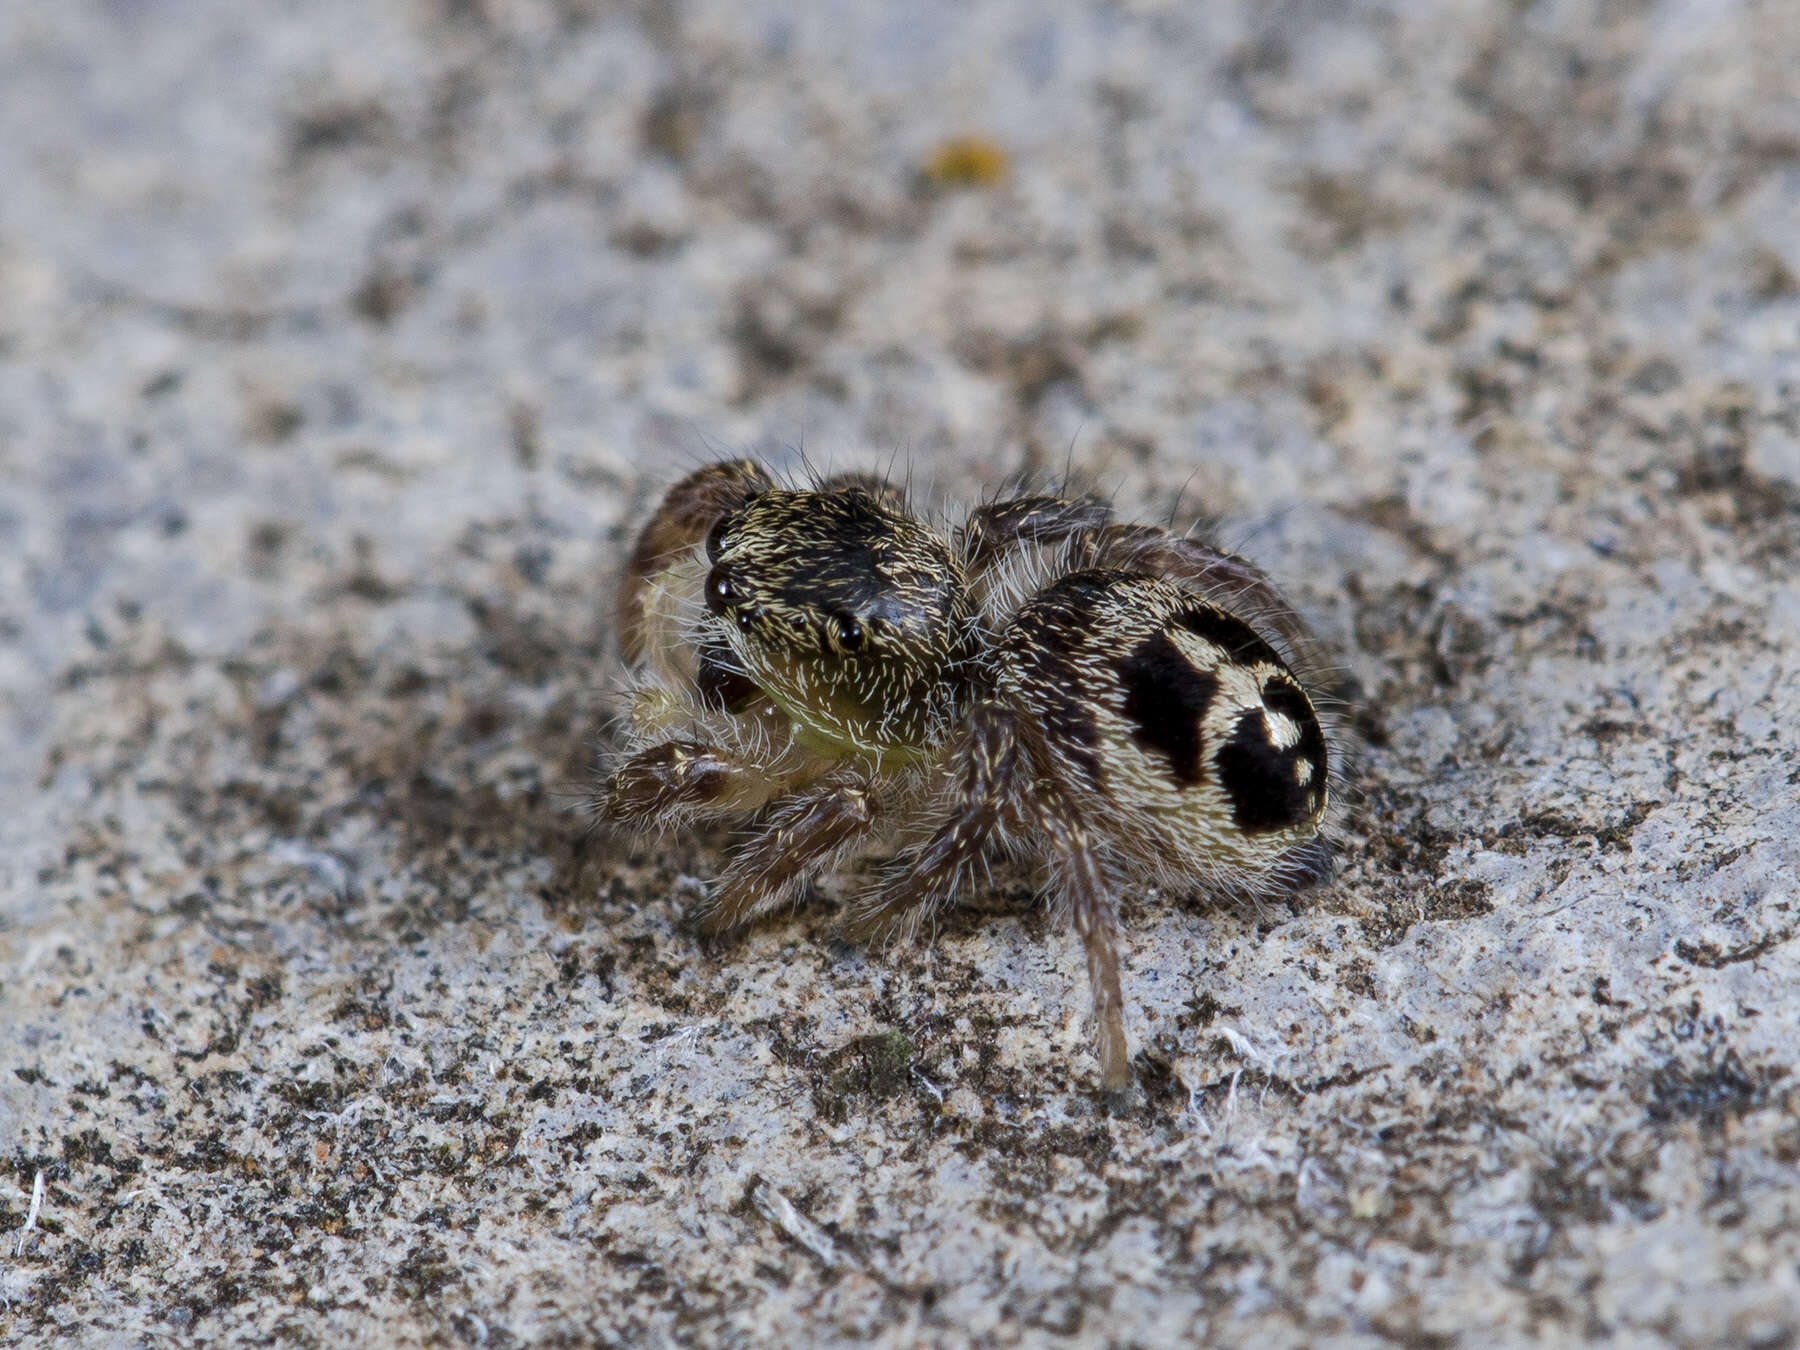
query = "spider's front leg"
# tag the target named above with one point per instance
(988, 771)
(801, 834)
(687, 513)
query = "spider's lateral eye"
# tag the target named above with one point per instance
(719, 590)
(848, 631)
(715, 537)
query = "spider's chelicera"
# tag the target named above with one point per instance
(1122, 703)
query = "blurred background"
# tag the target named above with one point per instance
(342, 347)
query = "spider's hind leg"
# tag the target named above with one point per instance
(994, 530)
(1082, 882)
(996, 790)
(989, 770)
(1225, 579)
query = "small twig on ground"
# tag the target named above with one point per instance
(31, 1215)
(795, 1226)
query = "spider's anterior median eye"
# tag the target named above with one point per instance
(848, 631)
(719, 590)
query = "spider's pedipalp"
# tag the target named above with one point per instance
(683, 776)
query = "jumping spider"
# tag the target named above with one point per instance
(1123, 703)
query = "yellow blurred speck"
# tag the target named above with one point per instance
(967, 162)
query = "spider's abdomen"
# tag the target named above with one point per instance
(1177, 723)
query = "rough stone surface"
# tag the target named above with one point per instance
(342, 345)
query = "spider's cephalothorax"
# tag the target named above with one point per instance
(1126, 704)
(846, 612)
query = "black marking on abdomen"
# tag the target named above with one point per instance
(1166, 699)
(1262, 781)
(1281, 695)
(1230, 634)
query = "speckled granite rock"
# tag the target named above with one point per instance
(340, 347)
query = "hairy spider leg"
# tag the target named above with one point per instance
(1083, 887)
(994, 786)
(690, 777)
(1222, 578)
(1097, 541)
(687, 513)
(995, 529)
(874, 484)
(801, 834)
(988, 769)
